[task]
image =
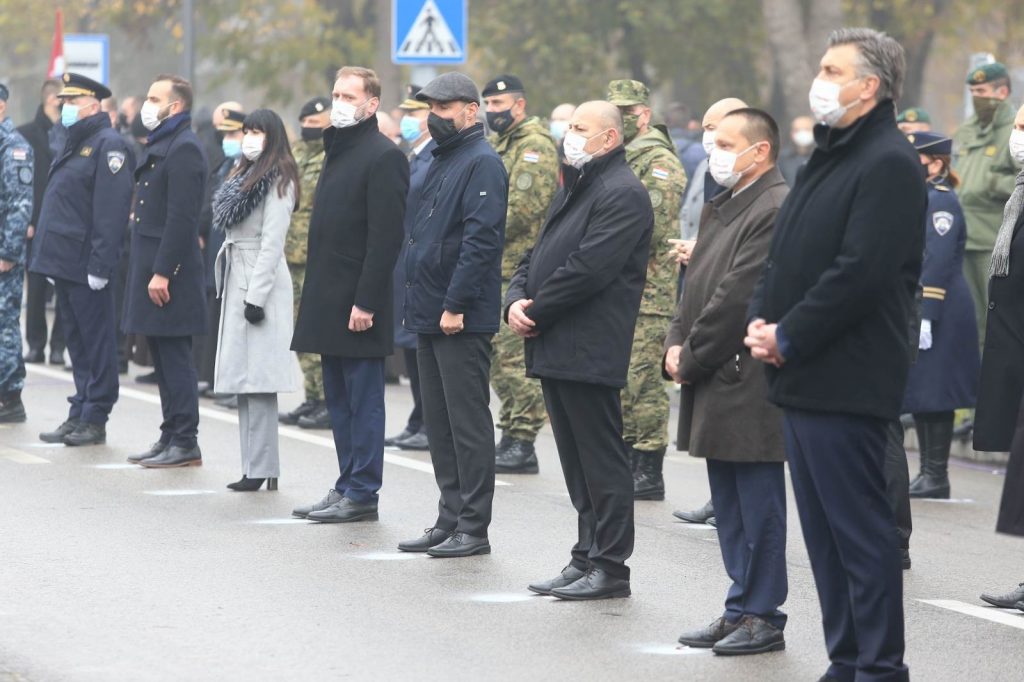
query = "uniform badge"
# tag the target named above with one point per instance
(531, 157)
(86, 151)
(659, 173)
(115, 161)
(979, 76)
(524, 181)
(656, 198)
(25, 175)
(990, 151)
(942, 221)
(911, 116)
(19, 154)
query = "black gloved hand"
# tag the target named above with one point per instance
(254, 313)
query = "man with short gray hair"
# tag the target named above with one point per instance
(830, 318)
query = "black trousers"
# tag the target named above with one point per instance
(836, 462)
(90, 324)
(179, 394)
(587, 424)
(455, 386)
(897, 481)
(415, 422)
(37, 292)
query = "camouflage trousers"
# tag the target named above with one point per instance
(645, 404)
(522, 414)
(313, 377)
(12, 365)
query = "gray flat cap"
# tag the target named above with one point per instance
(450, 87)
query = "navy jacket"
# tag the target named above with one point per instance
(170, 185)
(37, 134)
(86, 204)
(842, 274)
(453, 256)
(419, 164)
(586, 275)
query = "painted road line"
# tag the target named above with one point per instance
(292, 432)
(179, 493)
(955, 500)
(502, 597)
(660, 649)
(20, 457)
(1013, 618)
(288, 521)
(390, 556)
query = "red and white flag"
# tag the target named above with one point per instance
(56, 68)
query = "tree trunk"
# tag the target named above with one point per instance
(824, 17)
(784, 28)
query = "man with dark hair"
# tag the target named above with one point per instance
(165, 299)
(38, 290)
(830, 317)
(725, 416)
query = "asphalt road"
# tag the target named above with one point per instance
(113, 572)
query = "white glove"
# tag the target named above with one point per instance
(925, 342)
(97, 283)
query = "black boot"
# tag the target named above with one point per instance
(648, 483)
(934, 484)
(319, 418)
(922, 447)
(634, 459)
(292, 418)
(12, 410)
(520, 457)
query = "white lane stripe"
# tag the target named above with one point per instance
(20, 457)
(228, 418)
(1014, 619)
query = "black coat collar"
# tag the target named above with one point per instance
(833, 139)
(337, 140)
(474, 132)
(160, 146)
(578, 179)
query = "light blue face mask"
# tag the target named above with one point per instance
(410, 128)
(558, 129)
(69, 115)
(232, 148)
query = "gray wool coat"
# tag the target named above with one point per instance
(250, 268)
(724, 413)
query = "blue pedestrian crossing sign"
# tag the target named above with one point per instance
(428, 31)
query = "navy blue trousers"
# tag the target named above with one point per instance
(179, 392)
(836, 462)
(354, 393)
(90, 332)
(750, 507)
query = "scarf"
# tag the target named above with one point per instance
(1000, 266)
(232, 205)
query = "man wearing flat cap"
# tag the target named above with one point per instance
(16, 175)
(453, 303)
(914, 120)
(645, 408)
(982, 158)
(78, 244)
(531, 160)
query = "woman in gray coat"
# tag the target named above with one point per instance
(254, 207)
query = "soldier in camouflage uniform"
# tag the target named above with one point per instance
(309, 154)
(531, 160)
(16, 163)
(645, 406)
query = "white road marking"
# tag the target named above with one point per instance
(1013, 618)
(19, 457)
(292, 432)
(389, 556)
(502, 597)
(955, 500)
(670, 650)
(696, 526)
(177, 493)
(115, 465)
(280, 522)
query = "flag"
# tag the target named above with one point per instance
(56, 67)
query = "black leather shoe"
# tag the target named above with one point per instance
(292, 418)
(86, 434)
(395, 440)
(712, 521)
(149, 378)
(57, 435)
(432, 537)
(518, 457)
(229, 402)
(568, 576)
(697, 515)
(417, 441)
(251, 485)
(460, 545)
(318, 419)
(705, 638)
(154, 450)
(345, 511)
(35, 356)
(753, 635)
(174, 457)
(57, 358)
(1005, 601)
(12, 410)
(1019, 606)
(332, 497)
(595, 584)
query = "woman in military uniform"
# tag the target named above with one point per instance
(945, 376)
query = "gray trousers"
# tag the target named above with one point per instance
(257, 431)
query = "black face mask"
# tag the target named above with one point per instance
(441, 129)
(499, 121)
(312, 134)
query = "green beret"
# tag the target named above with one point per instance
(914, 115)
(986, 73)
(626, 93)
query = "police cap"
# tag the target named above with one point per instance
(411, 103)
(931, 143)
(77, 85)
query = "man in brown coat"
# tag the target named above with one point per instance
(725, 416)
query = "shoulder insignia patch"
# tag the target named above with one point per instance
(656, 198)
(659, 173)
(990, 151)
(524, 181)
(25, 175)
(531, 157)
(115, 161)
(86, 151)
(942, 221)
(19, 154)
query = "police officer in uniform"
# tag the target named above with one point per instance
(530, 156)
(165, 300)
(645, 408)
(78, 245)
(15, 212)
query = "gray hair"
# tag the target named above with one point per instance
(880, 56)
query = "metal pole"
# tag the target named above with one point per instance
(187, 26)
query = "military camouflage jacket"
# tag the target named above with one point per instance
(531, 161)
(310, 157)
(16, 163)
(652, 156)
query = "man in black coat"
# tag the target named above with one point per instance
(165, 298)
(575, 299)
(37, 290)
(453, 304)
(355, 234)
(830, 317)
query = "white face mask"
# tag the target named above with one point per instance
(1017, 146)
(824, 100)
(722, 166)
(343, 114)
(708, 141)
(150, 114)
(252, 145)
(574, 147)
(803, 138)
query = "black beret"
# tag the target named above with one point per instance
(503, 84)
(314, 106)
